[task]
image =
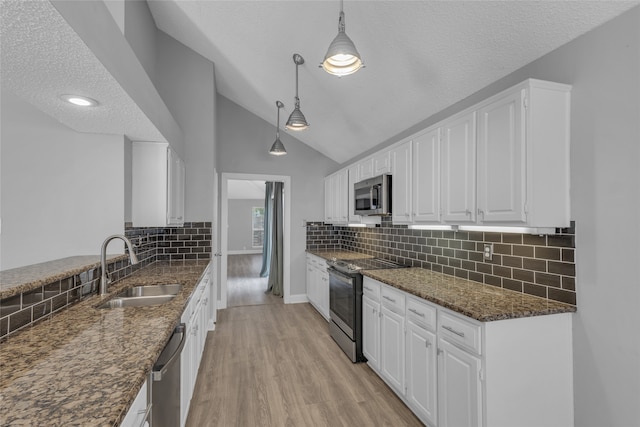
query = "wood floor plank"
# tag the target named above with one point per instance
(244, 284)
(276, 365)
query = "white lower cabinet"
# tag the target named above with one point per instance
(371, 331)
(459, 387)
(422, 372)
(196, 319)
(318, 284)
(454, 371)
(392, 348)
(137, 414)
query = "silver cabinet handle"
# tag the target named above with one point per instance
(389, 299)
(450, 329)
(416, 312)
(368, 288)
(427, 343)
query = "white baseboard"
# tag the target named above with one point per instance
(297, 299)
(245, 252)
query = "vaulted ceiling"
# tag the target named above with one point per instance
(420, 56)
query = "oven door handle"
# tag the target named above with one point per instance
(334, 272)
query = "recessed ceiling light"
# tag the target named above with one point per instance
(78, 100)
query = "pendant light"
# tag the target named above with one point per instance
(297, 121)
(342, 57)
(277, 149)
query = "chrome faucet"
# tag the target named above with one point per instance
(104, 279)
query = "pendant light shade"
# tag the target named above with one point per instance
(277, 149)
(342, 57)
(297, 121)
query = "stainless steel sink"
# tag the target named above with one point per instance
(136, 301)
(141, 296)
(151, 290)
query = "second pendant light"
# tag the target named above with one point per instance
(297, 121)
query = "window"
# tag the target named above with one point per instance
(257, 226)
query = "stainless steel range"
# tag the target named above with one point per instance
(345, 302)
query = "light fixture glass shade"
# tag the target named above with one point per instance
(277, 149)
(297, 121)
(342, 57)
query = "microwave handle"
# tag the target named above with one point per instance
(371, 197)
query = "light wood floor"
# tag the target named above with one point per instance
(244, 284)
(276, 365)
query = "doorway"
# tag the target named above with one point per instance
(241, 257)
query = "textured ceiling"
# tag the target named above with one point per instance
(43, 58)
(420, 56)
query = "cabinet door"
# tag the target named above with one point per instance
(501, 160)
(392, 349)
(323, 292)
(381, 163)
(341, 194)
(422, 382)
(175, 189)
(426, 177)
(459, 169)
(366, 169)
(371, 331)
(353, 177)
(328, 200)
(401, 183)
(459, 388)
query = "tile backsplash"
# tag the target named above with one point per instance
(190, 242)
(543, 266)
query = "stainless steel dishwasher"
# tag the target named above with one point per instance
(165, 392)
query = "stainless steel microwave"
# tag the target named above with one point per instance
(373, 196)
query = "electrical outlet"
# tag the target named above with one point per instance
(488, 251)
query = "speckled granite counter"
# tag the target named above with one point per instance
(338, 254)
(476, 300)
(24, 279)
(85, 365)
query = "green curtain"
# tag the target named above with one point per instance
(267, 230)
(277, 237)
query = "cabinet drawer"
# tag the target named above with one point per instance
(393, 299)
(459, 331)
(371, 288)
(421, 313)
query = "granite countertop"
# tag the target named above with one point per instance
(24, 279)
(338, 254)
(476, 300)
(84, 366)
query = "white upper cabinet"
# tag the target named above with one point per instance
(365, 168)
(335, 197)
(175, 187)
(501, 162)
(426, 177)
(400, 158)
(381, 163)
(523, 156)
(459, 169)
(353, 177)
(158, 177)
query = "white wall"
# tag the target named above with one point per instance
(244, 141)
(240, 224)
(186, 82)
(604, 68)
(62, 191)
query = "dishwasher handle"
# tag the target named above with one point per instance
(159, 370)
